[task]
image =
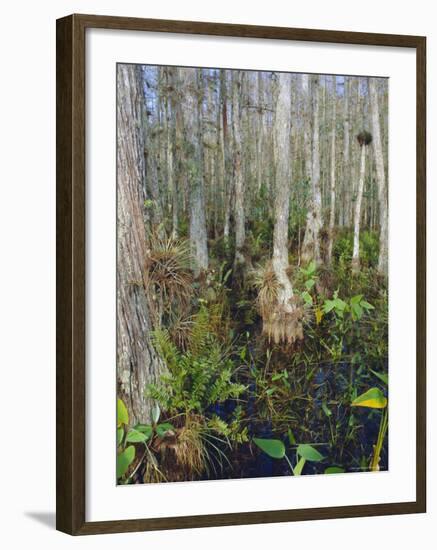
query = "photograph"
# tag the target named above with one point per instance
(252, 274)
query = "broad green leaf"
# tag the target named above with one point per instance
(124, 460)
(297, 470)
(156, 413)
(273, 447)
(325, 409)
(307, 297)
(309, 453)
(134, 436)
(162, 429)
(381, 375)
(328, 306)
(373, 398)
(120, 434)
(366, 305)
(340, 304)
(356, 299)
(146, 429)
(122, 414)
(334, 470)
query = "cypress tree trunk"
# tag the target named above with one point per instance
(357, 213)
(240, 234)
(332, 173)
(316, 172)
(307, 252)
(380, 177)
(346, 156)
(225, 152)
(194, 167)
(284, 322)
(137, 362)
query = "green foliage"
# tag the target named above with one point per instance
(124, 460)
(309, 453)
(334, 470)
(373, 398)
(272, 447)
(122, 414)
(198, 377)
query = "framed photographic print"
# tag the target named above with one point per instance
(240, 274)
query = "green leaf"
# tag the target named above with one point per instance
(273, 447)
(120, 434)
(156, 413)
(356, 299)
(307, 297)
(381, 375)
(328, 306)
(291, 437)
(134, 436)
(334, 470)
(146, 429)
(309, 453)
(340, 304)
(297, 470)
(373, 398)
(366, 305)
(309, 284)
(162, 429)
(357, 311)
(122, 414)
(124, 460)
(311, 267)
(326, 410)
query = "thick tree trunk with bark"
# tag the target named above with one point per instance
(283, 323)
(380, 177)
(137, 362)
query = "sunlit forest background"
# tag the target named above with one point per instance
(252, 265)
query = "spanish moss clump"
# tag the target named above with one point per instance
(364, 138)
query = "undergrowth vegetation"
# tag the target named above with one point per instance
(233, 402)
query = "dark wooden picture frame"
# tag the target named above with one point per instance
(71, 246)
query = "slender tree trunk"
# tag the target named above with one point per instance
(380, 177)
(137, 362)
(357, 213)
(332, 172)
(194, 167)
(240, 234)
(171, 146)
(225, 147)
(307, 252)
(316, 172)
(347, 184)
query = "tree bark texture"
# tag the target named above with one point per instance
(137, 362)
(380, 177)
(357, 213)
